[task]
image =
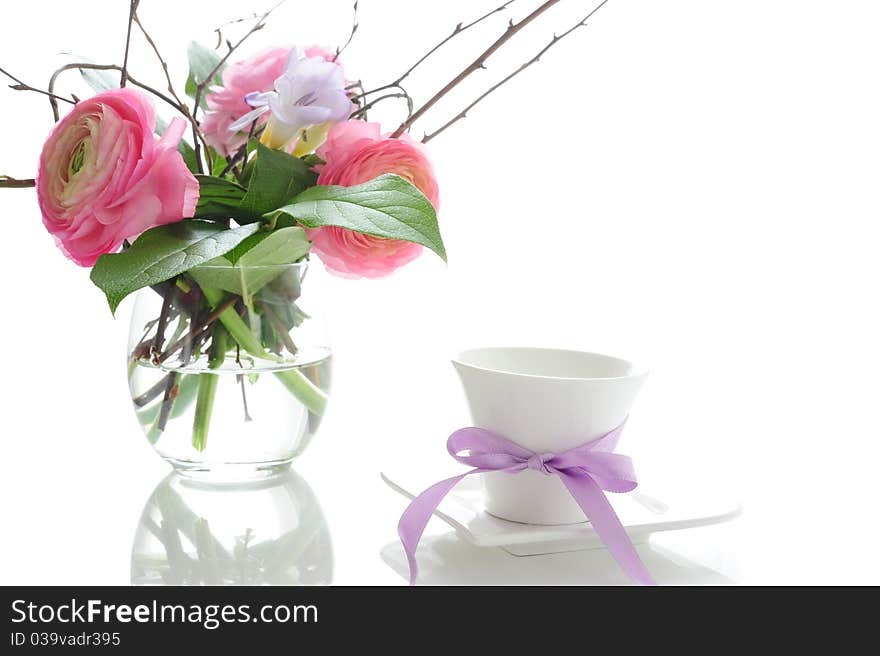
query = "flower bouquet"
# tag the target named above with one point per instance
(211, 218)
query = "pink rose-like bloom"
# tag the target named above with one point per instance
(105, 177)
(355, 152)
(226, 103)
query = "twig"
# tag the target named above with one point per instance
(279, 328)
(123, 78)
(455, 32)
(241, 153)
(14, 183)
(159, 339)
(100, 67)
(259, 25)
(354, 27)
(172, 389)
(162, 62)
(253, 133)
(247, 415)
(534, 60)
(219, 30)
(196, 336)
(235, 159)
(21, 86)
(201, 86)
(362, 110)
(477, 64)
(152, 393)
(356, 98)
(181, 106)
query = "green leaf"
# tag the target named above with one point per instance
(220, 198)
(255, 262)
(161, 125)
(162, 253)
(189, 156)
(276, 179)
(312, 160)
(202, 61)
(218, 162)
(100, 80)
(387, 206)
(283, 246)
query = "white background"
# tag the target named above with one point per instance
(688, 184)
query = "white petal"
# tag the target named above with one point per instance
(338, 104)
(246, 120)
(257, 98)
(293, 59)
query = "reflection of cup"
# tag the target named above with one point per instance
(266, 532)
(545, 400)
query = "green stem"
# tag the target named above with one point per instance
(239, 330)
(208, 388)
(204, 406)
(306, 392)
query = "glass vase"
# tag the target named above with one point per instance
(229, 369)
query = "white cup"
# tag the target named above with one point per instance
(545, 400)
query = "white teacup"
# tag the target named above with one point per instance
(545, 400)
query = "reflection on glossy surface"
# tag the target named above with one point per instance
(266, 532)
(448, 560)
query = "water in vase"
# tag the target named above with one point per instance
(255, 421)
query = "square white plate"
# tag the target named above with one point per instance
(641, 514)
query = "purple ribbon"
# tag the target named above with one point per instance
(585, 471)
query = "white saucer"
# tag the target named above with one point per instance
(641, 514)
(447, 560)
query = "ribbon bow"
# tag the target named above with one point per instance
(585, 471)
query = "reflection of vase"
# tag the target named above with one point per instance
(264, 532)
(545, 400)
(229, 369)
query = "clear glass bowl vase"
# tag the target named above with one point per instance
(229, 369)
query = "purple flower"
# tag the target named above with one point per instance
(311, 91)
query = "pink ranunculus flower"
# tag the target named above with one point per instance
(355, 152)
(105, 177)
(226, 103)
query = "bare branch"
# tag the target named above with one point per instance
(241, 154)
(180, 105)
(455, 32)
(162, 62)
(201, 86)
(219, 29)
(534, 60)
(21, 86)
(100, 67)
(123, 78)
(477, 64)
(362, 111)
(354, 27)
(14, 183)
(355, 91)
(259, 25)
